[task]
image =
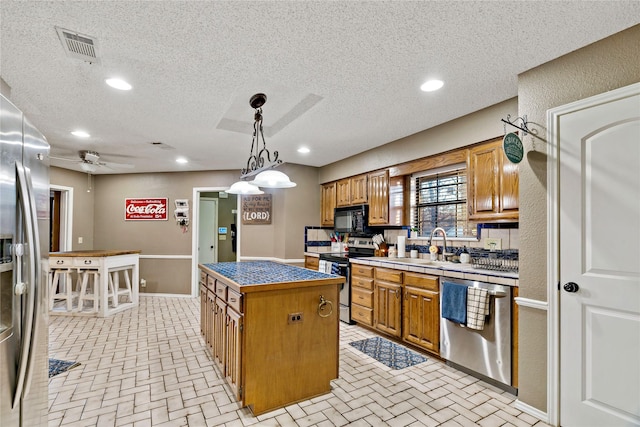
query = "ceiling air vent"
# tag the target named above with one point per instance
(79, 46)
(161, 145)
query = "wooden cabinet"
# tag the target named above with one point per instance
(233, 342)
(387, 304)
(219, 333)
(362, 294)
(379, 198)
(311, 262)
(343, 192)
(421, 311)
(352, 191)
(359, 189)
(327, 203)
(492, 183)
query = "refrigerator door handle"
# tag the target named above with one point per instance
(27, 202)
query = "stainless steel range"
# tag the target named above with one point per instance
(338, 263)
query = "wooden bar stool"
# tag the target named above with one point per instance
(89, 289)
(114, 285)
(61, 289)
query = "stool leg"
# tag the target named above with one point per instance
(53, 286)
(127, 281)
(83, 288)
(68, 284)
(114, 284)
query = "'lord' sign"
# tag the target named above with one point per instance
(256, 209)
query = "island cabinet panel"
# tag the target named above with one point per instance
(204, 310)
(327, 203)
(209, 318)
(288, 361)
(275, 343)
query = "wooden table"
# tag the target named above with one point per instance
(272, 330)
(105, 263)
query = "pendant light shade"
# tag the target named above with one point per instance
(244, 187)
(273, 179)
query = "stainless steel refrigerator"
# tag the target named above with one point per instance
(24, 252)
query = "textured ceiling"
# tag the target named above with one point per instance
(341, 77)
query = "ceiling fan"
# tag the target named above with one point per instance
(89, 161)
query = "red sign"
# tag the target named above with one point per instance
(146, 209)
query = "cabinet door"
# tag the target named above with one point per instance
(359, 189)
(421, 318)
(311, 262)
(388, 308)
(203, 310)
(219, 333)
(328, 203)
(209, 321)
(379, 198)
(343, 192)
(492, 182)
(233, 352)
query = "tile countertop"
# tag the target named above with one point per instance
(248, 276)
(449, 269)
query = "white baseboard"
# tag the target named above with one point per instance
(151, 294)
(534, 412)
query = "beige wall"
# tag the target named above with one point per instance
(82, 205)
(479, 126)
(600, 67)
(99, 219)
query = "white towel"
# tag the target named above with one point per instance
(477, 307)
(322, 266)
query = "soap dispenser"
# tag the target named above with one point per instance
(465, 258)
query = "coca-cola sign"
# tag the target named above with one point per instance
(154, 209)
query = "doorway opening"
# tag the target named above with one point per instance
(60, 218)
(214, 233)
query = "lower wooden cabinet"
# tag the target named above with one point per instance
(401, 304)
(219, 334)
(203, 310)
(233, 351)
(421, 318)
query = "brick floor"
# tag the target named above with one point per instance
(149, 367)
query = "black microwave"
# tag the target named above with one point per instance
(351, 219)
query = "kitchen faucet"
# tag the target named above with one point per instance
(444, 239)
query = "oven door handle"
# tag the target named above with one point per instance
(498, 294)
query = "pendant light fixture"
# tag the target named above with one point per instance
(259, 162)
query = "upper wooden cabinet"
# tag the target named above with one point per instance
(379, 198)
(328, 203)
(351, 191)
(492, 183)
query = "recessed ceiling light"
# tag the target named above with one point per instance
(118, 84)
(431, 85)
(80, 134)
(182, 160)
(303, 150)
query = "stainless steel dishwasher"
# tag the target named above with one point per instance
(486, 351)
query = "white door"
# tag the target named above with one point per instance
(208, 231)
(599, 265)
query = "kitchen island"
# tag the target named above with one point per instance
(272, 330)
(96, 274)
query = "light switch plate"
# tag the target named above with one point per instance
(493, 244)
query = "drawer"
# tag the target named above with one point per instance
(361, 270)
(60, 262)
(234, 300)
(221, 290)
(362, 297)
(211, 283)
(312, 262)
(421, 281)
(388, 275)
(362, 315)
(362, 283)
(203, 277)
(86, 262)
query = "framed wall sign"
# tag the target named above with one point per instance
(256, 209)
(146, 209)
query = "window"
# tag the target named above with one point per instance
(440, 200)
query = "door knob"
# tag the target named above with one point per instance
(571, 287)
(211, 246)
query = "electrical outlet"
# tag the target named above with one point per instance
(294, 318)
(493, 244)
(143, 283)
(80, 240)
